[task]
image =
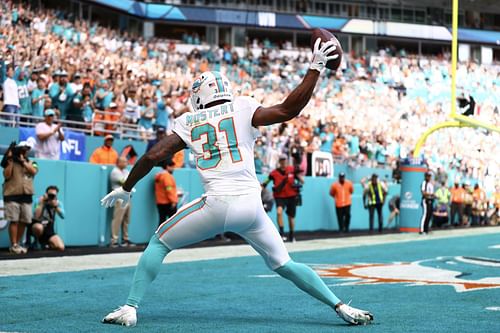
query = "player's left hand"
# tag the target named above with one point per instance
(116, 195)
(321, 54)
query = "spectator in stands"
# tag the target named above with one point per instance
(48, 207)
(38, 97)
(105, 154)
(342, 191)
(18, 173)
(148, 114)
(166, 192)
(64, 96)
(121, 214)
(10, 97)
(48, 137)
(457, 202)
(285, 194)
(23, 94)
(374, 199)
(132, 111)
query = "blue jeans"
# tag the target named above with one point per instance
(12, 119)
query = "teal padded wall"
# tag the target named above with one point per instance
(82, 185)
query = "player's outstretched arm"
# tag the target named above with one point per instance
(168, 146)
(301, 95)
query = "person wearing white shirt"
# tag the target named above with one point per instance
(48, 137)
(11, 97)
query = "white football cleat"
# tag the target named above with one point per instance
(125, 315)
(354, 316)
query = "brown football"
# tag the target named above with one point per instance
(326, 35)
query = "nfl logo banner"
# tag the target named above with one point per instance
(73, 146)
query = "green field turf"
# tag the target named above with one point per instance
(242, 295)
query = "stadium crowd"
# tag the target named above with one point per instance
(370, 113)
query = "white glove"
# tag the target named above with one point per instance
(116, 195)
(321, 54)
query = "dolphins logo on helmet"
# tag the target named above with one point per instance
(210, 87)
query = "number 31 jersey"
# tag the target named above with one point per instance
(222, 140)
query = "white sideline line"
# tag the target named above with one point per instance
(13, 267)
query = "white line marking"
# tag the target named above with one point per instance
(493, 308)
(13, 267)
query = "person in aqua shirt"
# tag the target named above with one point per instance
(148, 113)
(162, 111)
(54, 87)
(65, 95)
(24, 96)
(103, 96)
(38, 97)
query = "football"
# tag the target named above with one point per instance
(326, 35)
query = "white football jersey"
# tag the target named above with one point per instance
(222, 140)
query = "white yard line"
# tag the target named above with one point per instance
(102, 261)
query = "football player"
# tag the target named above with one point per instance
(221, 132)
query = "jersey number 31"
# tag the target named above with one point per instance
(211, 152)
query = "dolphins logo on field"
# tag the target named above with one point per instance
(420, 273)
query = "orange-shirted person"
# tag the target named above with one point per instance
(479, 205)
(342, 191)
(166, 192)
(457, 203)
(339, 147)
(106, 153)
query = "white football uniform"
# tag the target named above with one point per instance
(222, 139)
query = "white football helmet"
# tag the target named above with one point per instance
(210, 87)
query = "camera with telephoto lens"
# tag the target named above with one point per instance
(16, 154)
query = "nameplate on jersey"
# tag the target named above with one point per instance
(208, 114)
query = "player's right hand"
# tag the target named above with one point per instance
(321, 54)
(116, 195)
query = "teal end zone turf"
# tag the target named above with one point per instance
(242, 295)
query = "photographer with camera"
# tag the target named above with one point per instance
(18, 172)
(45, 214)
(48, 137)
(286, 191)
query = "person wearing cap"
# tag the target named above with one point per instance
(10, 97)
(166, 191)
(427, 189)
(18, 190)
(285, 194)
(64, 97)
(48, 137)
(373, 199)
(121, 213)
(105, 154)
(342, 191)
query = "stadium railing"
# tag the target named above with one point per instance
(95, 128)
